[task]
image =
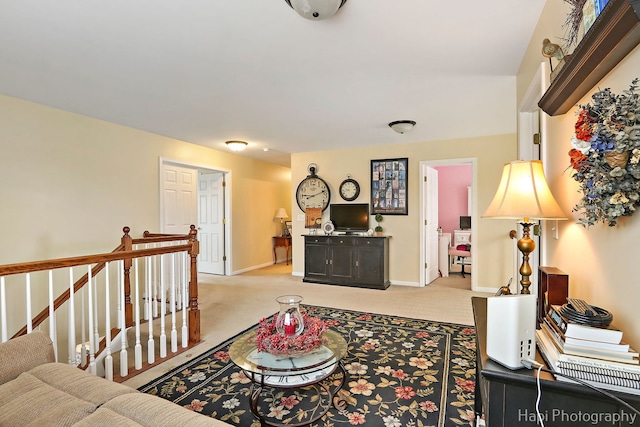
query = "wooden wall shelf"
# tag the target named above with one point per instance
(614, 34)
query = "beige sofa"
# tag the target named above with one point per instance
(37, 391)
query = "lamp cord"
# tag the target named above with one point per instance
(539, 396)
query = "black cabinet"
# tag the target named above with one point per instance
(347, 260)
(508, 397)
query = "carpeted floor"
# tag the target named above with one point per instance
(400, 372)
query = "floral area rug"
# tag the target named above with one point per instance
(400, 372)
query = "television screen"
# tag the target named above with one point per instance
(465, 222)
(350, 218)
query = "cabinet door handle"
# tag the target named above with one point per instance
(356, 263)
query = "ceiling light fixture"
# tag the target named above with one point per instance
(316, 9)
(402, 126)
(236, 145)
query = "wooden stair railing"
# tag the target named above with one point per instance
(126, 253)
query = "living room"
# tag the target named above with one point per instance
(72, 182)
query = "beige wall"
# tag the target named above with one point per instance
(601, 260)
(70, 183)
(494, 250)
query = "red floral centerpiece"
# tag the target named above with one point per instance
(273, 342)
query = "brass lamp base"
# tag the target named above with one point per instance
(526, 245)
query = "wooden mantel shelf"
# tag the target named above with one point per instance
(614, 34)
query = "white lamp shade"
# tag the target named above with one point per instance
(524, 193)
(316, 9)
(282, 213)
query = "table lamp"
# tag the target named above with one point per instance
(523, 194)
(282, 214)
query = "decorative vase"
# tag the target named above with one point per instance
(289, 320)
(615, 159)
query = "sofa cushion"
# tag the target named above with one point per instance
(27, 401)
(78, 383)
(20, 354)
(153, 411)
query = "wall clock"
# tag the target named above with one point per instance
(349, 189)
(313, 191)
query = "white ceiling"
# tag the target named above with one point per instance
(207, 71)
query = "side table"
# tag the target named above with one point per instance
(281, 241)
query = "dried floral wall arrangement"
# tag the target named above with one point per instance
(606, 155)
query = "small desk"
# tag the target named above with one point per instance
(281, 241)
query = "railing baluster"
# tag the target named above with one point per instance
(52, 317)
(108, 359)
(146, 295)
(138, 346)
(151, 354)
(94, 303)
(163, 335)
(92, 341)
(72, 322)
(124, 368)
(29, 317)
(155, 284)
(174, 331)
(185, 329)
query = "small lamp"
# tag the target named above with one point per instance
(282, 214)
(523, 194)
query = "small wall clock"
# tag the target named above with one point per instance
(349, 189)
(313, 191)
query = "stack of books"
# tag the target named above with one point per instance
(592, 354)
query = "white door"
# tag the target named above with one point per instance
(430, 192)
(179, 203)
(211, 223)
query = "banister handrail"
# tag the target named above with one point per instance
(123, 252)
(33, 266)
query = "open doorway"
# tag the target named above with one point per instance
(453, 197)
(197, 194)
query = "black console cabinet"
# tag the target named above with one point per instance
(347, 260)
(508, 397)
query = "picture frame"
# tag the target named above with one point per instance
(389, 192)
(288, 228)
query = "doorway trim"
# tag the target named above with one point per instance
(474, 212)
(227, 199)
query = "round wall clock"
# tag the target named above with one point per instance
(313, 191)
(349, 189)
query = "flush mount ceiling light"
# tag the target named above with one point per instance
(402, 126)
(316, 9)
(236, 145)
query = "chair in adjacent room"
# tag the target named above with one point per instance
(461, 253)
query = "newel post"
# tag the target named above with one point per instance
(194, 311)
(127, 243)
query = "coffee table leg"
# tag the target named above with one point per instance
(253, 403)
(340, 403)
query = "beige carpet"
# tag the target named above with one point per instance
(230, 305)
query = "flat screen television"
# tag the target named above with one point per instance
(465, 222)
(350, 217)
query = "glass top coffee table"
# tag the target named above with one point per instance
(288, 372)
